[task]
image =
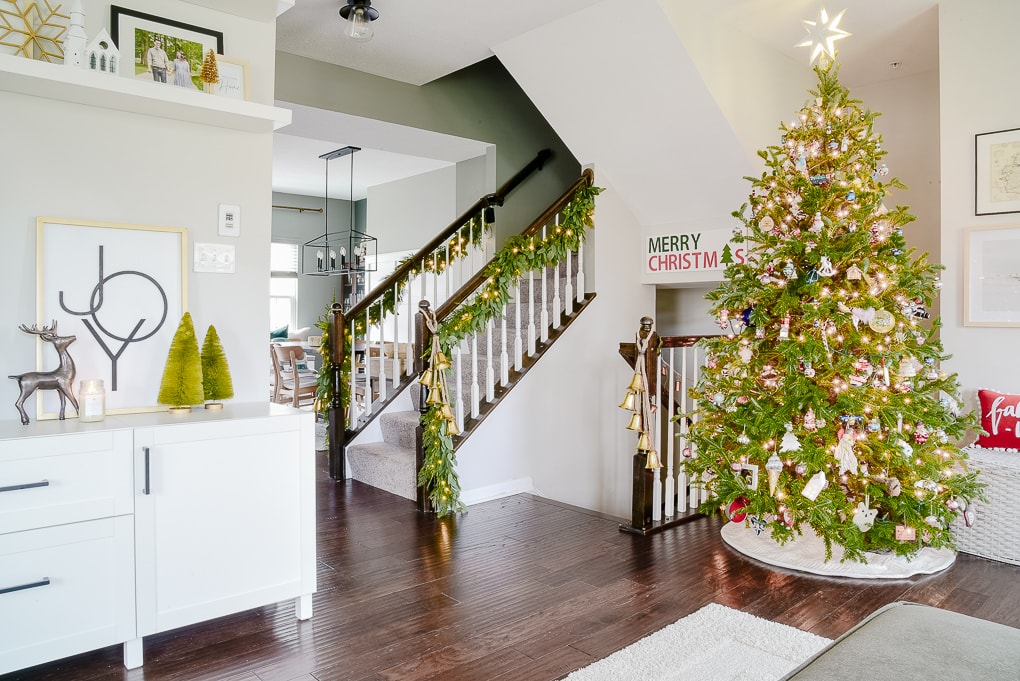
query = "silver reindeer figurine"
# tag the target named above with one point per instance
(60, 379)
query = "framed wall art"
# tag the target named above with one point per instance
(991, 276)
(161, 50)
(121, 290)
(233, 78)
(997, 172)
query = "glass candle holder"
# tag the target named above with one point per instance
(91, 401)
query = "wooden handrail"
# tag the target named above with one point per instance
(586, 180)
(495, 199)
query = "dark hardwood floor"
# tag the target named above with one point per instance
(520, 588)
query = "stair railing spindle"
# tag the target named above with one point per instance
(568, 292)
(474, 375)
(518, 340)
(490, 373)
(504, 357)
(666, 372)
(544, 310)
(556, 302)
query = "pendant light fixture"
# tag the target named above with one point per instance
(339, 251)
(359, 15)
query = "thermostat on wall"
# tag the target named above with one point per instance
(230, 220)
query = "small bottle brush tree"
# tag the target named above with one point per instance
(827, 377)
(216, 381)
(182, 377)
(210, 74)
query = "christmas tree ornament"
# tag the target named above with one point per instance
(809, 420)
(745, 353)
(736, 511)
(874, 425)
(845, 453)
(743, 439)
(854, 273)
(767, 224)
(789, 271)
(774, 466)
(784, 328)
(816, 224)
(789, 443)
(758, 524)
(825, 267)
(851, 195)
(815, 486)
(969, 516)
(921, 433)
(800, 468)
(882, 322)
(864, 517)
(724, 319)
(769, 377)
(688, 453)
(906, 533)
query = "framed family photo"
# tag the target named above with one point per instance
(991, 272)
(162, 50)
(997, 172)
(121, 290)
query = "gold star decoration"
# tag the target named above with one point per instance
(33, 31)
(822, 36)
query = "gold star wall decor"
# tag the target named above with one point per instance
(33, 29)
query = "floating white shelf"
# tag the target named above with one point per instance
(56, 81)
(259, 10)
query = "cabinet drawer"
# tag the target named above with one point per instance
(65, 590)
(64, 479)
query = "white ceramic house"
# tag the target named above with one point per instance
(102, 55)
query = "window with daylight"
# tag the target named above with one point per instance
(283, 285)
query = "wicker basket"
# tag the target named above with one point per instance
(996, 530)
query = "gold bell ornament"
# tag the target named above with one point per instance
(636, 384)
(446, 411)
(428, 378)
(442, 363)
(653, 460)
(644, 443)
(435, 396)
(628, 401)
(635, 422)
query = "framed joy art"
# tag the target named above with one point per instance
(121, 289)
(161, 50)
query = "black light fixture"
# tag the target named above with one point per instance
(339, 252)
(359, 15)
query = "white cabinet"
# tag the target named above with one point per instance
(116, 530)
(223, 526)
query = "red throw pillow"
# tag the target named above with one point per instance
(999, 418)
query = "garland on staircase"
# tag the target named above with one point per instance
(519, 254)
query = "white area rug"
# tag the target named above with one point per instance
(807, 554)
(715, 643)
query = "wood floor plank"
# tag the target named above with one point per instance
(522, 589)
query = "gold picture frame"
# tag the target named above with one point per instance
(233, 78)
(121, 289)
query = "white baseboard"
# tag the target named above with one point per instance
(497, 491)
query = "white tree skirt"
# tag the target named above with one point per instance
(806, 553)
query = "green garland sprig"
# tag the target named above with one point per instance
(519, 254)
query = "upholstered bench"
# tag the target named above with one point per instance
(911, 641)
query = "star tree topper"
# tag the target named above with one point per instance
(822, 35)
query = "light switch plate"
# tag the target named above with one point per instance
(230, 220)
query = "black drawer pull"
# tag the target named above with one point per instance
(21, 587)
(148, 489)
(27, 485)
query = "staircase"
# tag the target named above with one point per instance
(486, 364)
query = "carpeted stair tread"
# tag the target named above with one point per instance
(398, 428)
(384, 466)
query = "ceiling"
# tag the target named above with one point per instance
(417, 42)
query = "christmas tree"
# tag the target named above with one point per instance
(182, 377)
(827, 377)
(216, 381)
(210, 73)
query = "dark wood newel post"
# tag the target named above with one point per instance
(422, 342)
(644, 478)
(337, 413)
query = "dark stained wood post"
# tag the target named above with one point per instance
(422, 342)
(337, 413)
(644, 478)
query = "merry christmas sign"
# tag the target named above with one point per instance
(678, 255)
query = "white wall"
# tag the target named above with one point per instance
(406, 213)
(561, 426)
(979, 61)
(87, 163)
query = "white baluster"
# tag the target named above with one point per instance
(490, 373)
(702, 495)
(446, 274)
(396, 334)
(474, 375)
(504, 358)
(354, 409)
(556, 303)
(657, 473)
(382, 354)
(458, 407)
(410, 323)
(532, 336)
(544, 312)
(683, 481)
(518, 339)
(667, 382)
(580, 273)
(568, 307)
(369, 396)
